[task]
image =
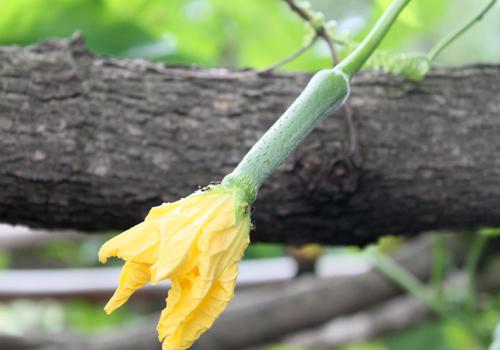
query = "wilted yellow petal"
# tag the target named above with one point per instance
(196, 242)
(174, 252)
(131, 244)
(139, 243)
(225, 217)
(195, 295)
(225, 242)
(212, 305)
(132, 277)
(188, 294)
(177, 240)
(161, 210)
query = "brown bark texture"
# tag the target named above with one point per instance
(92, 143)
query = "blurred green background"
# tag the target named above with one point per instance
(241, 33)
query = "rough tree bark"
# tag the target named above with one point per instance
(91, 143)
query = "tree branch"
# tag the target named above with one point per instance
(92, 143)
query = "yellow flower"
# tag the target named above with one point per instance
(196, 242)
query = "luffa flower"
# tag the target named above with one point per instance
(195, 242)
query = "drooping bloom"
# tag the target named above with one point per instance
(195, 242)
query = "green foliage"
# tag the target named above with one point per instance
(447, 335)
(372, 345)
(256, 29)
(283, 347)
(433, 335)
(416, 21)
(4, 259)
(264, 250)
(465, 321)
(88, 317)
(26, 21)
(74, 253)
(490, 232)
(24, 316)
(238, 33)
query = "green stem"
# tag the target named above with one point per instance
(327, 91)
(411, 284)
(472, 263)
(290, 57)
(353, 63)
(439, 265)
(406, 281)
(440, 46)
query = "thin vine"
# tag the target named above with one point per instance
(445, 42)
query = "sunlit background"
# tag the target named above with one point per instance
(240, 33)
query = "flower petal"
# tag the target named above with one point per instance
(132, 277)
(178, 239)
(223, 248)
(196, 242)
(134, 244)
(203, 317)
(174, 253)
(161, 210)
(139, 243)
(194, 291)
(192, 287)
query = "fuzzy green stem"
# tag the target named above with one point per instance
(327, 91)
(353, 63)
(440, 46)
